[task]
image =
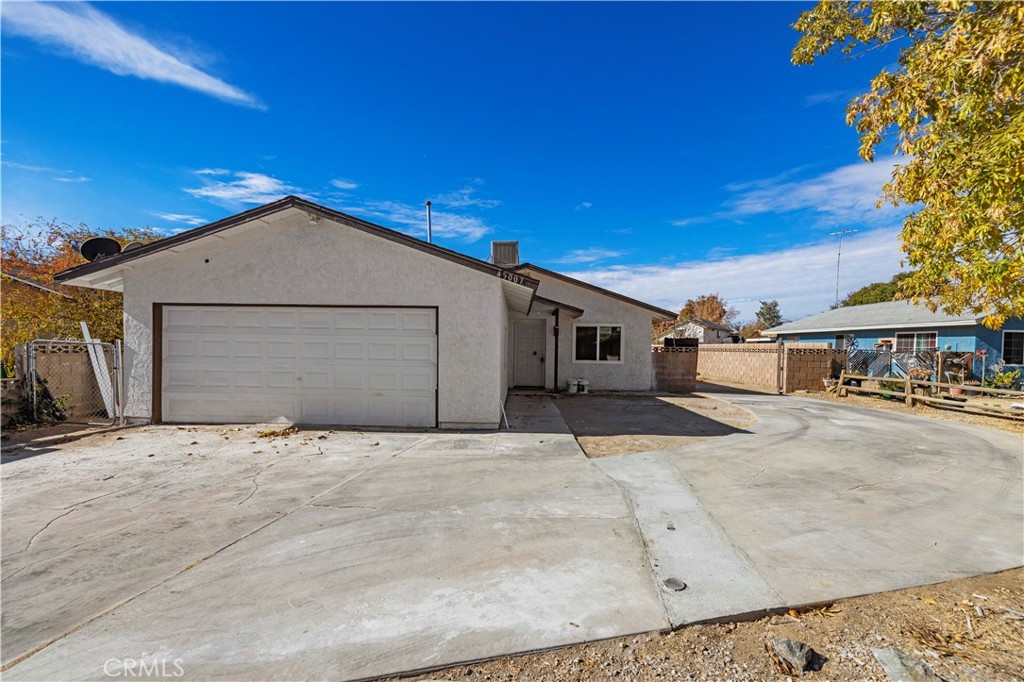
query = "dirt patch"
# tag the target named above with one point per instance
(969, 629)
(1007, 425)
(608, 425)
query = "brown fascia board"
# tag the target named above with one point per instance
(310, 207)
(558, 304)
(661, 312)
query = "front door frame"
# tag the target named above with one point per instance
(542, 350)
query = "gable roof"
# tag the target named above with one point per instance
(888, 315)
(707, 324)
(660, 312)
(309, 207)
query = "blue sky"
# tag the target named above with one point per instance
(661, 150)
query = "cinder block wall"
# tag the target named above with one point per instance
(675, 369)
(806, 367)
(739, 364)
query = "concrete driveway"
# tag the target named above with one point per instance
(319, 556)
(818, 501)
(344, 555)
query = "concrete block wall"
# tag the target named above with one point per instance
(674, 369)
(751, 365)
(11, 397)
(806, 367)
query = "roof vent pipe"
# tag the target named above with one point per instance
(430, 231)
(505, 254)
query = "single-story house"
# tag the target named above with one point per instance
(705, 331)
(903, 326)
(295, 312)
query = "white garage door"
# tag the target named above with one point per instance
(356, 366)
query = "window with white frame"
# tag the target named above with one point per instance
(912, 341)
(597, 343)
(1013, 348)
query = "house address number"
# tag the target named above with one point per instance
(515, 279)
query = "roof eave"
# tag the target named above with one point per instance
(658, 312)
(78, 272)
(906, 325)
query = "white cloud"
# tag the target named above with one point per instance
(192, 220)
(827, 97)
(95, 38)
(848, 193)
(583, 205)
(342, 183)
(244, 188)
(465, 198)
(802, 278)
(591, 255)
(78, 178)
(412, 220)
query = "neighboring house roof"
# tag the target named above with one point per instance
(660, 312)
(707, 324)
(309, 207)
(35, 285)
(888, 315)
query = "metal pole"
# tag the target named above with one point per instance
(839, 257)
(119, 380)
(430, 234)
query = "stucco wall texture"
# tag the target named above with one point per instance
(634, 373)
(287, 259)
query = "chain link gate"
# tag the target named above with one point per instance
(75, 381)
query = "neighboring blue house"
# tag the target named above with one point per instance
(902, 326)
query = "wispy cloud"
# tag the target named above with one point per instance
(412, 220)
(78, 178)
(93, 37)
(590, 255)
(583, 206)
(828, 97)
(848, 194)
(185, 218)
(342, 183)
(243, 187)
(802, 278)
(465, 198)
(30, 167)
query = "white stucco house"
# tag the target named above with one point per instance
(295, 312)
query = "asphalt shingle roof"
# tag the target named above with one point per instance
(872, 316)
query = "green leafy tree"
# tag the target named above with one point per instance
(876, 292)
(954, 109)
(768, 314)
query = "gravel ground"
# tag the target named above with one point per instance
(968, 629)
(1008, 425)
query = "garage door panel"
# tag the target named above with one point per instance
(323, 365)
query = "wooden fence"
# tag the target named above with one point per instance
(914, 391)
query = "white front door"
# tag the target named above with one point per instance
(528, 345)
(351, 366)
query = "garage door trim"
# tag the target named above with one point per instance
(158, 343)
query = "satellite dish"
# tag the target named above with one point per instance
(98, 248)
(131, 246)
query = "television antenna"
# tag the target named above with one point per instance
(839, 256)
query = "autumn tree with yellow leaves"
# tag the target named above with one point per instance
(36, 252)
(953, 107)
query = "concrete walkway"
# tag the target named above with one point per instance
(822, 501)
(320, 556)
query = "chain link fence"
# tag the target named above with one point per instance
(75, 381)
(919, 364)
